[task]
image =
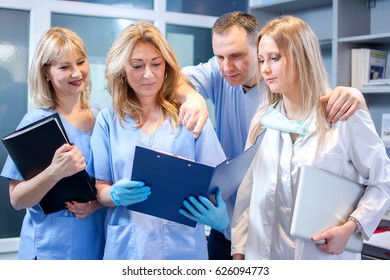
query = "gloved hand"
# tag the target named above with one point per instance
(126, 192)
(205, 212)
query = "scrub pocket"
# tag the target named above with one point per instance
(55, 242)
(184, 242)
(120, 243)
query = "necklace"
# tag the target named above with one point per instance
(146, 140)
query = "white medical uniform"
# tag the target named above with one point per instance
(265, 198)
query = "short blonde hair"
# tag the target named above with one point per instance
(125, 101)
(55, 43)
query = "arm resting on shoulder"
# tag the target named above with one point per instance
(193, 111)
(342, 103)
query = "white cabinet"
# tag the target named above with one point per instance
(340, 26)
(360, 23)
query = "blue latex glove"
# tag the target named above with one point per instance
(126, 192)
(203, 211)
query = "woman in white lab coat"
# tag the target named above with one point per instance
(297, 133)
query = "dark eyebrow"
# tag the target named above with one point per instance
(139, 59)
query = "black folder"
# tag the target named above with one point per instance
(32, 148)
(173, 179)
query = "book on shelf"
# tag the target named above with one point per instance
(173, 179)
(368, 66)
(32, 148)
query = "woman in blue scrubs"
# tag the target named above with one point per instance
(143, 73)
(59, 82)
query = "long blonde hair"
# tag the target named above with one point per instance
(54, 44)
(125, 101)
(300, 46)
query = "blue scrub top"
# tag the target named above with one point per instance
(59, 235)
(133, 235)
(234, 108)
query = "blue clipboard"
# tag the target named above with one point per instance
(173, 179)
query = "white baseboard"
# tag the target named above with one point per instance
(9, 248)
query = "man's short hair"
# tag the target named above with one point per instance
(242, 20)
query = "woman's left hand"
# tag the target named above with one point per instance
(336, 238)
(81, 209)
(203, 211)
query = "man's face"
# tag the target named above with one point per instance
(237, 57)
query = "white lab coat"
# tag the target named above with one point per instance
(261, 221)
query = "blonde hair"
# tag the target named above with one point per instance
(125, 101)
(55, 43)
(300, 46)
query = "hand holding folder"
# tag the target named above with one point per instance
(203, 211)
(126, 192)
(32, 148)
(170, 188)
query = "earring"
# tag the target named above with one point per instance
(47, 79)
(123, 80)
